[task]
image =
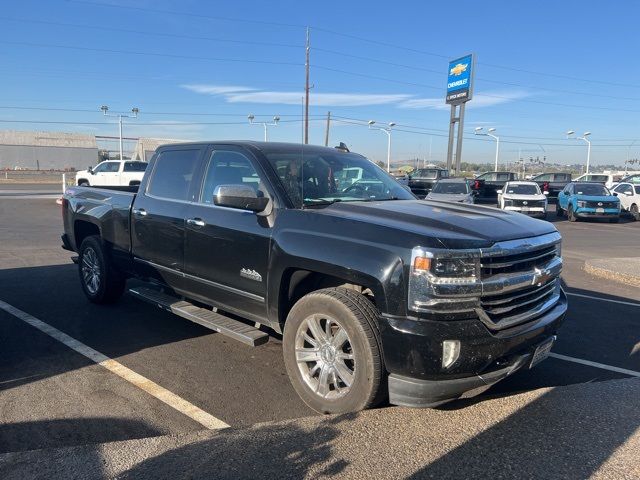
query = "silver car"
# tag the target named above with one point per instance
(452, 190)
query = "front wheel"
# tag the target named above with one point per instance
(100, 281)
(570, 215)
(634, 212)
(332, 351)
(83, 183)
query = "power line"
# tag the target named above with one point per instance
(527, 100)
(150, 54)
(188, 14)
(156, 34)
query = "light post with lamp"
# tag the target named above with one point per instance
(386, 130)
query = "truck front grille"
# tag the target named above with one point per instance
(518, 262)
(591, 204)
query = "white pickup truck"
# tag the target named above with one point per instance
(112, 173)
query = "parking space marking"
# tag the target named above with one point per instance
(632, 304)
(589, 363)
(171, 399)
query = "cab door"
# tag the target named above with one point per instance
(563, 197)
(227, 249)
(159, 212)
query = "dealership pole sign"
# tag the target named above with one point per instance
(460, 80)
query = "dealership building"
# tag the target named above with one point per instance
(46, 150)
(66, 151)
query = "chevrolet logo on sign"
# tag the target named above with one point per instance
(459, 69)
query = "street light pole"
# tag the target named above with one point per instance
(386, 130)
(583, 137)
(276, 119)
(496, 138)
(120, 116)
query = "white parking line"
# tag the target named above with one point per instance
(603, 299)
(595, 364)
(174, 401)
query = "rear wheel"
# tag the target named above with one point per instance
(570, 215)
(83, 183)
(634, 212)
(100, 281)
(332, 351)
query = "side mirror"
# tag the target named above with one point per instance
(242, 197)
(499, 192)
(90, 169)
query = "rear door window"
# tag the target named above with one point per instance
(173, 173)
(135, 166)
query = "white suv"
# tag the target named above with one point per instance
(112, 173)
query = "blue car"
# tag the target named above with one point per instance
(588, 200)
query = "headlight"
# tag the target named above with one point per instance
(582, 204)
(432, 268)
(508, 203)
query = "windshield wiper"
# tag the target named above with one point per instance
(317, 202)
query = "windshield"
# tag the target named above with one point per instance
(595, 178)
(333, 177)
(594, 189)
(523, 189)
(451, 188)
(425, 173)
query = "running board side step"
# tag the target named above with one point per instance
(215, 321)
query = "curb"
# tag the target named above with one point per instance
(606, 268)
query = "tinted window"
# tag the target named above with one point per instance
(562, 177)
(594, 189)
(451, 188)
(173, 173)
(135, 166)
(503, 177)
(637, 188)
(227, 167)
(328, 176)
(624, 188)
(545, 177)
(522, 189)
(596, 178)
(426, 173)
(105, 167)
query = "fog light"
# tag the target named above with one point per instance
(450, 352)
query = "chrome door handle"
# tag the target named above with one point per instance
(197, 222)
(139, 211)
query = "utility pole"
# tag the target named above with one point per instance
(306, 92)
(326, 132)
(134, 114)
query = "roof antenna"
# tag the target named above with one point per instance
(302, 153)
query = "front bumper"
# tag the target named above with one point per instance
(413, 355)
(591, 213)
(532, 212)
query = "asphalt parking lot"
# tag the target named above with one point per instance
(51, 396)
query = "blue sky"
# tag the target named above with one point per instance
(195, 69)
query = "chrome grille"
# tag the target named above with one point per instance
(518, 262)
(529, 203)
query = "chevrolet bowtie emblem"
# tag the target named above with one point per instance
(459, 69)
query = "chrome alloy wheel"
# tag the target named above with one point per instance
(325, 356)
(91, 270)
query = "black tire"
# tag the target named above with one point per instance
(570, 215)
(110, 284)
(635, 215)
(559, 211)
(357, 316)
(83, 183)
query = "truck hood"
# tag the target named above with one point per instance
(454, 225)
(449, 197)
(512, 196)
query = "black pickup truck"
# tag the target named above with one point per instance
(553, 183)
(488, 184)
(376, 293)
(422, 180)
